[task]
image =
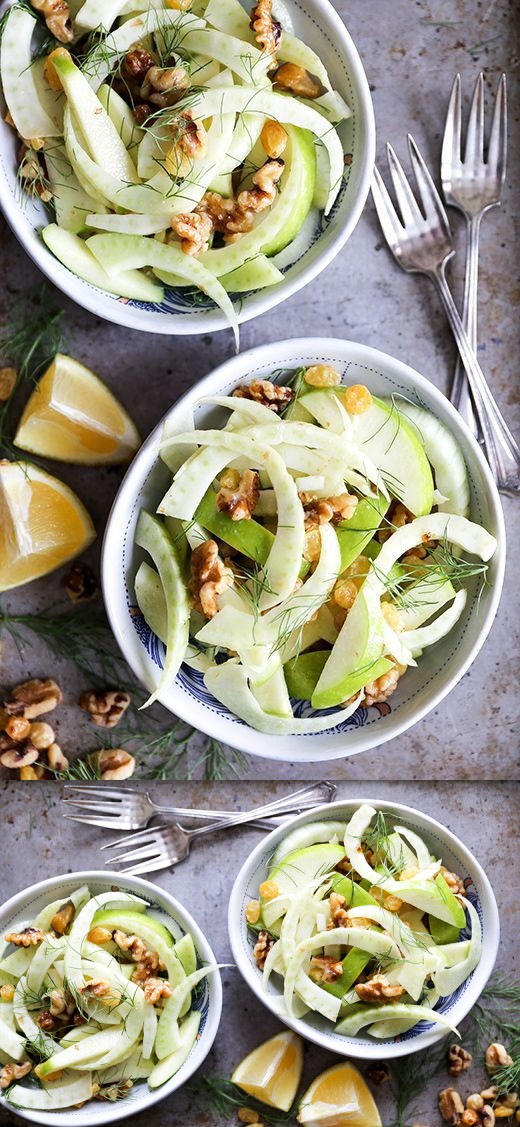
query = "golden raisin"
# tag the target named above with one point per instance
(269, 890)
(391, 615)
(312, 545)
(49, 70)
(17, 728)
(274, 139)
(357, 399)
(322, 375)
(253, 912)
(6, 993)
(345, 593)
(99, 935)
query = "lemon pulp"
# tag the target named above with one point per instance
(339, 1097)
(272, 1072)
(73, 417)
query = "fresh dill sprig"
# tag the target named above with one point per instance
(83, 637)
(29, 342)
(219, 1095)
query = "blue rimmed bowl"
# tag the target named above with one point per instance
(319, 25)
(18, 912)
(440, 667)
(443, 845)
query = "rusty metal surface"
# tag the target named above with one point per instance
(411, 51)
(41, 844)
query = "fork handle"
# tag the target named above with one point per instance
(501, 448)
(460, 392)
(287, 803)
(304, 798)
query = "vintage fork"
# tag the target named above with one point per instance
(473, 185)
(121, 808)
(421, 242)
(161, 847)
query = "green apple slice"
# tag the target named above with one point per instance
(358, 647)
(392, 443)
(167, 1068)
(302, 673)
(296, 870)
(131, 922)
(356, 533)
(353, 965)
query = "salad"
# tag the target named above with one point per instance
(308, 549)
(362, 925)
(183, 142)
(95, 995)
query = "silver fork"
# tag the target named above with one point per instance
(473, 185)
(421, 242)
(160, 847)
(121, 808)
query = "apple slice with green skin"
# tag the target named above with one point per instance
(354, 534)
(131, 922)
(185, 951)
(353, 965)
(167, 1068)
(443, 932)
(392, 443)
(358, 646)
(436, 898)
(298, 869)
(247, 536)
(355, 895)
(302, 673)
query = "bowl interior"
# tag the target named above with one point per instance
(21, 909)
(442, 844)
(321, 28)
(440, 667)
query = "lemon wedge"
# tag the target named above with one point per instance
(42, 524)
(339, 1097)
(272, 1072)
(73, 417)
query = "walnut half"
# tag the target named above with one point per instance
(240, 501)
(106, 709)
(378, 989)
(209, 577)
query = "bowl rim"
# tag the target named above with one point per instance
(272, 747)
(479, 976)
(178, 913)
(116, 312)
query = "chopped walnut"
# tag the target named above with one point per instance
(11, 1072)
(268, 31)
(189, 142)
(398, 515)
(487, 1116)
(81, 583)
(338, 914)
(378, 989)
(163, 86)
(137, 63)
(475, 1102)
(454, 882)
(240, 503)
(496, 1055)
(114, 1092)
(41, 735)
(106, 709)
(209, 578)
(21, 753)
(62, 1003)
(299, 81)
(263, 192)
(459, 1060)
(56, 759)
(101, 989)
(115, 764)
(148, 962)
(321, 511)
(451, 1106)
(155, 989)
(8, 378)
(29, 937)
(272, 395)
(194, 230)
(325, 969)
(378, 691)
(63, 917)
(262, 948)
(378, 1073)
(33, 698)
(57, 17)
(49, 1022)
(490, 1093)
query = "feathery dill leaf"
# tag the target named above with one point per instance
(29, 342)
(219, 1095)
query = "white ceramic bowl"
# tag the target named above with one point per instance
(22, 908)
(442, 844)
(437, 671)
(319, 25)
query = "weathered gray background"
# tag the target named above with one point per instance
(411, 50)
(46, 844)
